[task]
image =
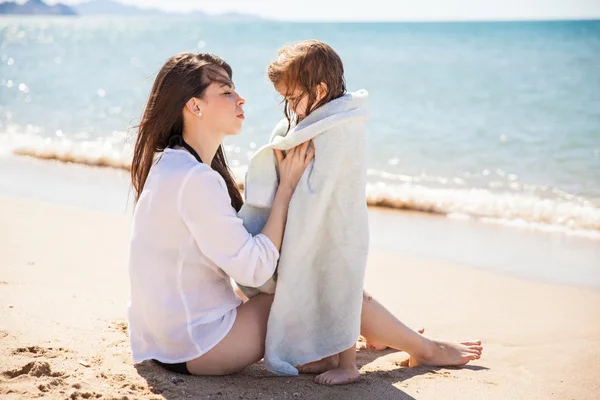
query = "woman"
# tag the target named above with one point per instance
(187, 241)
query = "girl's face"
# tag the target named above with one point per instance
(297, 100)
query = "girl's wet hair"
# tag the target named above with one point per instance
(181, 78)
(305, 66)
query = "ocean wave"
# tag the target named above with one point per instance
(516, 209)
(112, 152)
(569, 213)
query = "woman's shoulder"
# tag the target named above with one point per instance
(202, 176)
(180, 168)
(180, 162)
(203, 187)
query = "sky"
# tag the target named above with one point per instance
(384, 10)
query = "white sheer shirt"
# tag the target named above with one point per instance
(186, 242)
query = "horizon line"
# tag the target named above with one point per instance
(190, 13)
(319, 21)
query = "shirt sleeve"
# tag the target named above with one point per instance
(205, 207)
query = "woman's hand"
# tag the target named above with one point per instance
(293, 164)
(291, 168)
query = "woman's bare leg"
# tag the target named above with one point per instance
(380, 326)
(245, 343)
(374, 346)
(243, 346)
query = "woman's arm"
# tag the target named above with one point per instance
(291, 168)
(205, 207)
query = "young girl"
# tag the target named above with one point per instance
(318, 309)
(324, 255)
(309, 75)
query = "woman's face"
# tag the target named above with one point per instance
(221, 107)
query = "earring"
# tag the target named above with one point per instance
(199, 113)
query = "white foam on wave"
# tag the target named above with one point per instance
(513, 208)
(113, 151)
(542, 227)
(563, 212)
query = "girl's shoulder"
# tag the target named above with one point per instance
(280, 129)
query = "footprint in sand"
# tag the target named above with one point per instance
(84, 395)
(122, 383)
(34, 368)
(35, 374)
(119, 326)
(52, 385)
(37, 351)
(444, 374)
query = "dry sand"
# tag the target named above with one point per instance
(63, 293)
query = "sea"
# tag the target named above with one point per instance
(494, 122)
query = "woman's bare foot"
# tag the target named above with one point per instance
(374, 346)
(339, 376)
(443, 354)
(320, 366)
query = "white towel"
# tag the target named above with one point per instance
(319, 284)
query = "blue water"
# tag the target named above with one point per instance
(497, 121)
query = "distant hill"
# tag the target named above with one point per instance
(35, 7)
(237, 17)
(112, 7)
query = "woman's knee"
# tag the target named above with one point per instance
(242, 346)
(213, 368)
(266, 299)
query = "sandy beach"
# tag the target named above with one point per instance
(63, 332)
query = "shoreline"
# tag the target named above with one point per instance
(64, 288)
(520, 210)
(527, 253)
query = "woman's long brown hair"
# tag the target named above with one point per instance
(183, 76)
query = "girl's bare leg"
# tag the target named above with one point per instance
(345, 372)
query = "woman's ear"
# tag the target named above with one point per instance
(193, 106)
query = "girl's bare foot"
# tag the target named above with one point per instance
(374, 346)
(339, 376)
(442, 354)
(320, 366)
